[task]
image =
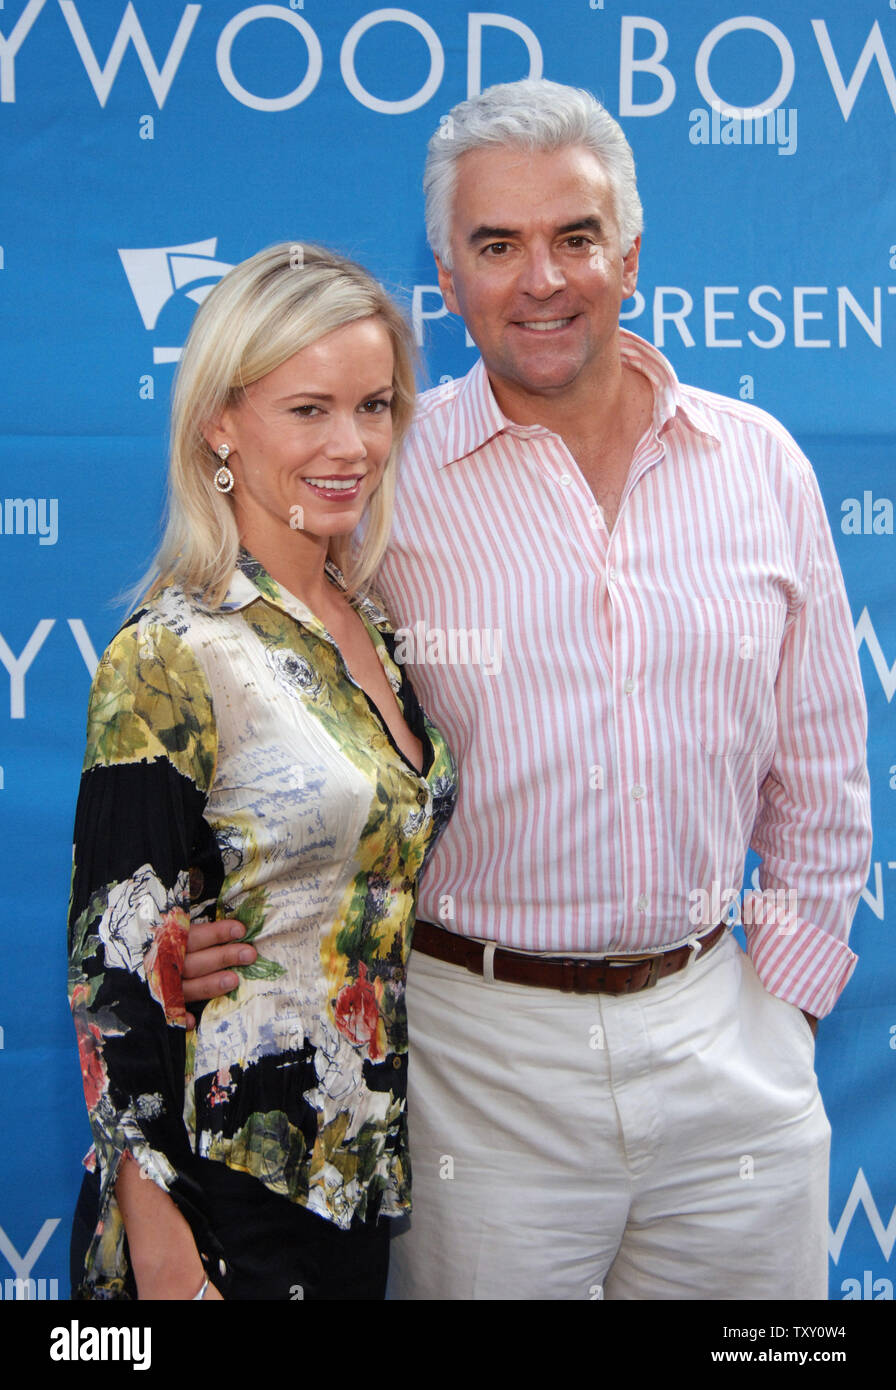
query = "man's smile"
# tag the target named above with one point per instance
(544, 325)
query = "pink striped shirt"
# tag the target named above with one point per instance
(631, 710)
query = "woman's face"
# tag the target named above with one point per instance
(310, 440)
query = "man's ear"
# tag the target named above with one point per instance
(446, 285)
(630, 268)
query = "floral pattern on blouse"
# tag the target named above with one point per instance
(234, 769)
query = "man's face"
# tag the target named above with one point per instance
(538, 272)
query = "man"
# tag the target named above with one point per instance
(608, 1099)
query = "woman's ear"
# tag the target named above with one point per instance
(215, 433)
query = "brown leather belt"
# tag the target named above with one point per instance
(573, 974)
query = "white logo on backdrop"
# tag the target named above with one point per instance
(157, 274)
(860, 1196)
(22, 1286)
(865, 632)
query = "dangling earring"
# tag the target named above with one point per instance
(223, 477)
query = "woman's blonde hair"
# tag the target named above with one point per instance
(258, 316)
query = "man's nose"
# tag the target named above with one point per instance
(542, 274)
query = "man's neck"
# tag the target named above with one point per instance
(589, 408)
(599, 420)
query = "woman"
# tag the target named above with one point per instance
(253, 750)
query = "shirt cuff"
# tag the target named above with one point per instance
(801, 964)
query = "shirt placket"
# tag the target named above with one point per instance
(619, 810)
(631, 713)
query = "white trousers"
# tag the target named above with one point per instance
(670, 1144)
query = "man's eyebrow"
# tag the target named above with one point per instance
(483, 233)
(582, 224)
(486, 233)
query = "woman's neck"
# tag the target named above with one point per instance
(297, 561)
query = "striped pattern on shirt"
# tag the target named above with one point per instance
(631, 710)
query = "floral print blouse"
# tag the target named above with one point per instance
(234, 769)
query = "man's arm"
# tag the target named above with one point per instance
(813, 830)
(213, 947)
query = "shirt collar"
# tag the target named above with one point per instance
(670, 399)
(476, 416)
(250, 582)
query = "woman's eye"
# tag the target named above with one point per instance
(305, 411)
(376, 407)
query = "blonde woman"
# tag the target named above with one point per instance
(255, 751)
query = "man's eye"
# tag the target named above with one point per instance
(497, 248)
(577, 242)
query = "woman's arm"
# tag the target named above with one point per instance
(164, 1257)
(139, 831)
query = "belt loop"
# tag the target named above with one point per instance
(488, 962)
(697, 944)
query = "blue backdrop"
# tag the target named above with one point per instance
(148, 146)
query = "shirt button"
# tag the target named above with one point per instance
(628, 685)
(397, 1063)
(637, 791)
(643, 903)
(597, 515)
(565, 479)
(612, 574)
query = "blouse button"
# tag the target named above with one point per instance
(397, 1063)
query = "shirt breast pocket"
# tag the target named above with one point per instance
(734, 648)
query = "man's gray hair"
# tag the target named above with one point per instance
(537, 115)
